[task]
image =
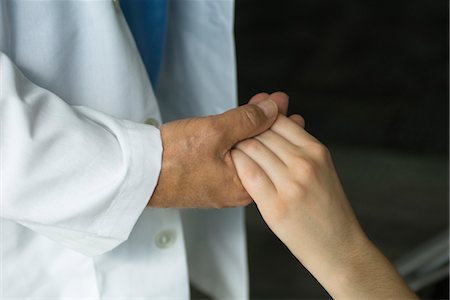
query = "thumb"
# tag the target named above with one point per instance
(247, 121)
(280, 98)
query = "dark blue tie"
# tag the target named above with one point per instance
(147, 20)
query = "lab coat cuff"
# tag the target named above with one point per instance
(145, 157)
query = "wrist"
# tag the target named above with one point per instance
(333, 263)
(349, 273)
(367, 275)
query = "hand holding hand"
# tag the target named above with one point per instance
(197, 170)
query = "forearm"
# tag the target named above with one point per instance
(368, 275)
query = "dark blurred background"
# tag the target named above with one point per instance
(371, 80)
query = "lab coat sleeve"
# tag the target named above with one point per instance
(78, 176)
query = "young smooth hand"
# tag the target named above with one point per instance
(291, 177)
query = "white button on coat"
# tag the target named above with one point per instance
(79, 165)
(165, 239)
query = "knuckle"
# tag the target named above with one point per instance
(306, 169)
(252, 116)
(320, 151)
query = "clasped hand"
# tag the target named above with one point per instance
(252, 153)
(197, 169)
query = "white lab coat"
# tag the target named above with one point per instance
(77, 164)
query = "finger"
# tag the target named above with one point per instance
(292, 132)
(253, 179)
(281, 147)
(269, 162)
(280, 98)
(245, 122)
(258, 98)
(299, 120)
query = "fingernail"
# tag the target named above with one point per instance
(269, 107)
